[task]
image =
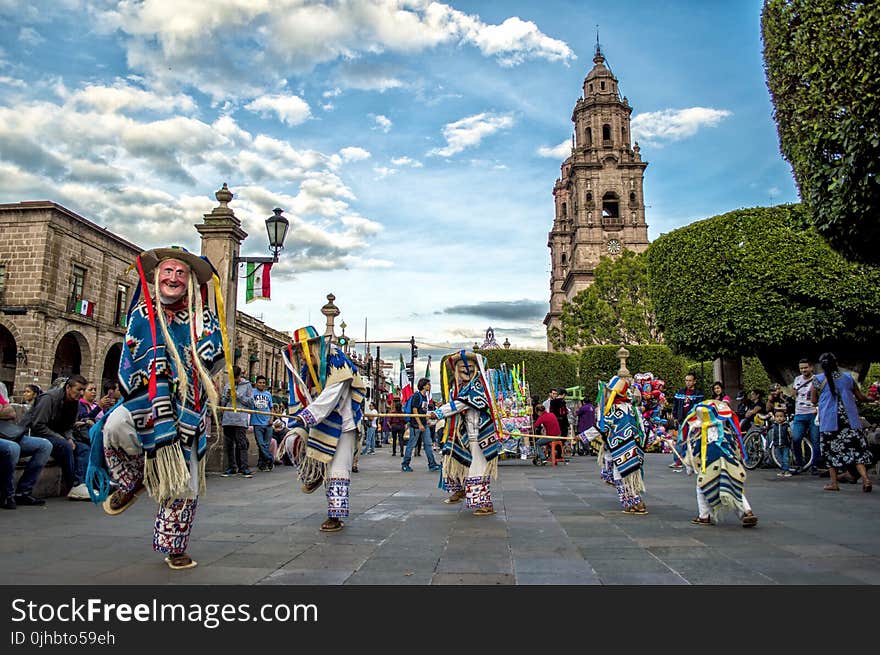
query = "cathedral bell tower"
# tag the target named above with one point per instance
(599, 205)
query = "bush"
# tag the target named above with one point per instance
(544, 370)
(601, 362)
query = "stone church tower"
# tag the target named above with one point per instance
(600, 208)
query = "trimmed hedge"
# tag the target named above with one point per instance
(600, 363)
(757, 282)
(544, 370)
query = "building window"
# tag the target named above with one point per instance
(589, 137)
(120, 312)
(2, 282)
(606, 135)
(77, 283)
(602, 85)
(564, 211)
(591, 88)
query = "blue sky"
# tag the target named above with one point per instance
(413, 145)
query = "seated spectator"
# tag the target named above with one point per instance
(777, 399)
(90, 410)
(30, 394)
(756, 412)
(13, 444)
(548, 425)
(53, 417)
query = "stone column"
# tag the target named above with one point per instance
(331, 311)
(623, 372)
(221, 241)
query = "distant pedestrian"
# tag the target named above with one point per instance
(804, 422)
(398, 426)
(586, 419)
(235, 425)
(843, 441)
(261, 424)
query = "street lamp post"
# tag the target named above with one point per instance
(276, 226)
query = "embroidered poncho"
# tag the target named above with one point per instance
(468, 415)
(323, 415)
(170, 431)
(624, 438)
(715, 451)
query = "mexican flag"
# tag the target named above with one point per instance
(406, 389)
(84, 307)
(257, 281)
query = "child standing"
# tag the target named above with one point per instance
(780, 433)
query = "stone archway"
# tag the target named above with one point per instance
(8, 361)
(111, 365)
(70, 353)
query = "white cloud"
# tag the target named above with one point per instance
(516, 40)
(268, 40)
(406, 161)
(30, 37)
(383, 171)
(123, 96)
(382, 123)
(145, 179)
(561, 151)
(328, 106)
(11, 81)
(292, 110)
(354, 153)
(669, 125)
(332, 93)
(469, 132)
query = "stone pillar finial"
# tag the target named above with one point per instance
(622, 355)
(331, 311)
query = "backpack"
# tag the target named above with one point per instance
(407, 408)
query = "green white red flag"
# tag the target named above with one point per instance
(258, 282)
(84, 307)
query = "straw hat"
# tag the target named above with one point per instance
(199, 265)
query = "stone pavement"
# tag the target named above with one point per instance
(557, 525)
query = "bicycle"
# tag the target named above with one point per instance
(760, 451)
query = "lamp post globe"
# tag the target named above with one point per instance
(276, 226)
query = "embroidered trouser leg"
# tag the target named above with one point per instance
(477, 492)
(606, 473)
(627, 498)
(339, 475)
(125, 469)
(174, 522)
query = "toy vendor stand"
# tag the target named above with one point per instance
(513, 403)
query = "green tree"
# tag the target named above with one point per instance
(615, 309)
(822, 66)
(756, 282)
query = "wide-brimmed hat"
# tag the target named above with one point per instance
(199, 265)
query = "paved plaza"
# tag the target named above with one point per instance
(555, 525)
